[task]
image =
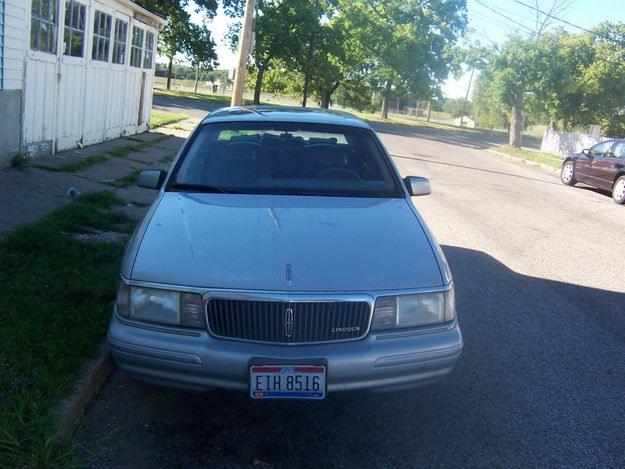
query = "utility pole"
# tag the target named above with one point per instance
(245, 40)
(466, 97)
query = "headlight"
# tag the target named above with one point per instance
(420, 309)
(162, 306)
(150, 304)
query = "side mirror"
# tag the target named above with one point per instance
(417, 185)
(151, 178)
(586, 151)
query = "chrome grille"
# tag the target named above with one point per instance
(288, 322)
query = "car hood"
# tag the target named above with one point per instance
(249, 242)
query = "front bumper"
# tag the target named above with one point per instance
(196, 360)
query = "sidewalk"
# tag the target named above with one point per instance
(41, 186)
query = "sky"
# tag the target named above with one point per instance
(487, 23)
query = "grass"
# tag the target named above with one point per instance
(125, 181)
(161, 118)
(211, 98)
(56, 295)
(19, 162)
(119, 152)
(533, 156)
(78, 165)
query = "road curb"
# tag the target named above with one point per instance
(85, 388)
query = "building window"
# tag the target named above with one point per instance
(119, 44)
(149, 50)
(101, 36)
(136, 48)
(74, 34)
(43, 26)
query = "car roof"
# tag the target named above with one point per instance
(265, 113)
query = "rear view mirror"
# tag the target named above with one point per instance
(151, 178)
(586, 151)
(417, 185)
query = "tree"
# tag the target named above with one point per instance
(201, 50)
(281, 31)
(601, 79)
(176, 37)
(573, 80)
(404, 44)
(272, 42)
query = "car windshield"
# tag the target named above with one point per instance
(285, 158)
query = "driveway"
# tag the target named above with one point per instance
(540, 297)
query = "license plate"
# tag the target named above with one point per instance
(287, 382)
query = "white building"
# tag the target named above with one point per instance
(73, 73)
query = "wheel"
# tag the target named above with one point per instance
(568, 174)
(618, 191)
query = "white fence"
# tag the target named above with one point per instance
(565, 143)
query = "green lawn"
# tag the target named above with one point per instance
(161, 118)
(548, 159)
(211, 98)
(56, 295)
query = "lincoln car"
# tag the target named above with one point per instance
(283, 257)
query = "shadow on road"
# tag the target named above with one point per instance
(198, 108)
(428, 159)
(539, 384)
(479, 139)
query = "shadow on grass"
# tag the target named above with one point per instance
(56, 294)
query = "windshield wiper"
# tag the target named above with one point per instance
(201, 188)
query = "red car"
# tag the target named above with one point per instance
(601, 166)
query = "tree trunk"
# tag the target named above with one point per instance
(553, 124)
(516, 121)
(170, 67)
(305, 91)
(385, 100)
(197, 77)
(429, 109)
(259, 84)
(327, 95)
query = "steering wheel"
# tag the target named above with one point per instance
(349, 172)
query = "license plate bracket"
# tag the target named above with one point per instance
(287, 381)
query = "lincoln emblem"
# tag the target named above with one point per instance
(288, 322)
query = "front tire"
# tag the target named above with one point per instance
(567, 175)
(618, 190)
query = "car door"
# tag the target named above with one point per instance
(583, 164)
(616, 163)
(603, 166)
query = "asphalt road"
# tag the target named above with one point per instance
(541, 299)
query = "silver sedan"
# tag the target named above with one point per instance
(283, 257)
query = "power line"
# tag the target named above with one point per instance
(549, 15)
(505, 16)
(489, 19)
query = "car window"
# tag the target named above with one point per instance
(286, 158)
(600, 148)
(619, 150)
